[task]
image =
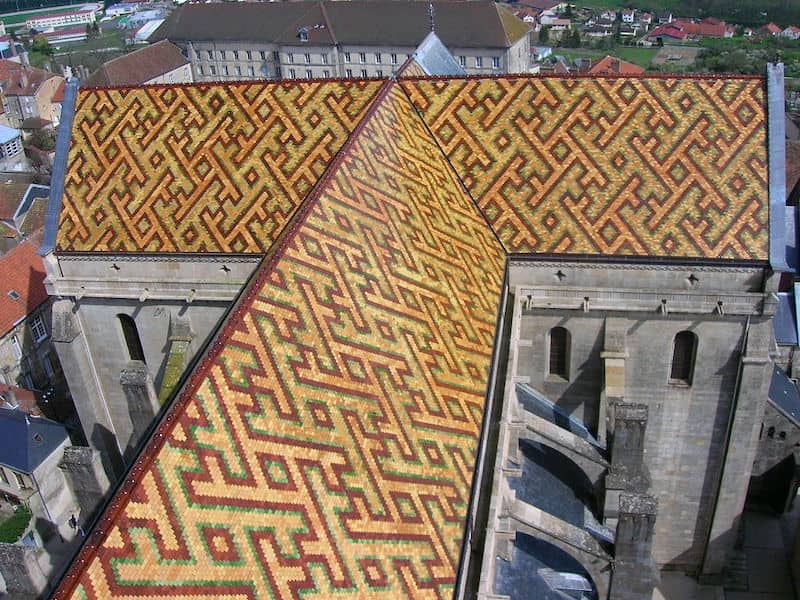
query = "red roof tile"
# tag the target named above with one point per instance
(21, 271)
(19, 80)
(611, 65)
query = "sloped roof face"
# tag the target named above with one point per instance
(325, 447)
(139, 66)
(217, 168)
(654, 167)
(21, 285)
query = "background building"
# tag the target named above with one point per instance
(341, 39)
(161, 62)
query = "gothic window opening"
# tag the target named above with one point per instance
(559, 352)
(683, 355)
(132, 340)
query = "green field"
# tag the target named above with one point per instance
(14, 526)
(21, 17)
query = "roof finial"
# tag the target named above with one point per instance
(431, 14)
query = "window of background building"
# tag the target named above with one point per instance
(378, 58)
(462, 60)
(251, 71)
(309, 75)
(683, 353)
(290, 57)
(38, 329)
(558, 352)
(380, 72)
(324, 58)
(292, 74)
(307, 58)
(210, 55)
(238, 71)
(326, 73)
(222, 54)
(213, 69)
(393, 58)
(235, 55)
(349, 73)
(225, 70)
(362, 57)
(495, 62)
(20, 481)
(364, 73)
(478, 62)
(15, 345)
(200, 69)
(347, 57)
(276, 56)
(249, 55)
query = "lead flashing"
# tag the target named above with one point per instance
(59, 168)
(776, 136)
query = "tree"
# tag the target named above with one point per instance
(544, 34)
(43, 140)
(41, 44)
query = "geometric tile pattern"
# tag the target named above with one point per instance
(211, 168)
(652, 166)
(325, 445)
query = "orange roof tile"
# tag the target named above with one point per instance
(21, 285)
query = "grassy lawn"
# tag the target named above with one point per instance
(12, 528)
(21, 17)
(109, 39)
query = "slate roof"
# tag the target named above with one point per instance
(139, 66)
(476, 24)
(324, 446)
(22, 272)
(784, 394)
(27, 440)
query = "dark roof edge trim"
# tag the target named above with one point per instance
(183, 393)
(59, 167)
(478, 499)
(776, 149)
(679, 261)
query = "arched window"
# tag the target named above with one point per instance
(131, 335)
(559, 352)
(683, 354)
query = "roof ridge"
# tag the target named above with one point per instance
(453, 169)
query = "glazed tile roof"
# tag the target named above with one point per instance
(325, 445)
(662, 167)
(207, 168)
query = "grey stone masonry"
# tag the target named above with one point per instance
(76, 361)
(635, 574)
(142, 400)
(747, 414)
(22, 572)
(84, 472)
